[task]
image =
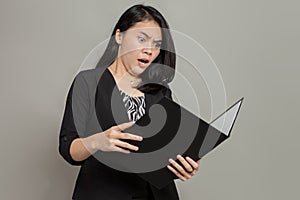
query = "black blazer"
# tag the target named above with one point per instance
(90, 94)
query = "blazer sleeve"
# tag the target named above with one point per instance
(76, 112)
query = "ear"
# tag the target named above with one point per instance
(118, 36)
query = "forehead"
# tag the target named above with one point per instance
(151, 28)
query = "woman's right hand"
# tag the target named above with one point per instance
(110, 139)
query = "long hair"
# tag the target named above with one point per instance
(161, 71)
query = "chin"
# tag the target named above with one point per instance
(137, 70)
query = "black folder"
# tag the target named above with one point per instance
(196, 136)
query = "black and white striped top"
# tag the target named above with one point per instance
(135, 106)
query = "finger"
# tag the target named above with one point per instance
(180, 169)
(130, 136)
(176, 173)
(118, 149)
(126, 145)
(194, 164)
(187, 166)
(125, 125)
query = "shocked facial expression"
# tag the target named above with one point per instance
(139, 46)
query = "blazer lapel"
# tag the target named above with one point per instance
(110, 108)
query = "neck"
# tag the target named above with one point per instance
(121, 72)
(124, 79)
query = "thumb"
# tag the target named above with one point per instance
(125, 125)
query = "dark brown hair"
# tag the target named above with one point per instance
(161, 71)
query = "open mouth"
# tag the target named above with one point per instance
(142, 60)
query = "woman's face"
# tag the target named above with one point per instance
(139, 46)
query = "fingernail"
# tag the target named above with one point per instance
(138, 137)
(170, 160)
(179, 156)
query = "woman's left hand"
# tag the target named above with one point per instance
(191, 167)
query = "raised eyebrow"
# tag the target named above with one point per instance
(145, 34)
(149, 36)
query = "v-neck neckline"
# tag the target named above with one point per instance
(115, 83)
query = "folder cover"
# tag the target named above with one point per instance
(197, 136)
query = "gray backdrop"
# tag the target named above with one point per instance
(255, 44)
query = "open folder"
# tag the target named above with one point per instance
(197, 136)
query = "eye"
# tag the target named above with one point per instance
(141, 39)
(157, 45)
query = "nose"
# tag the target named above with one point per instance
(147, 50)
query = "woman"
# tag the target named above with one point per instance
(133, 61)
